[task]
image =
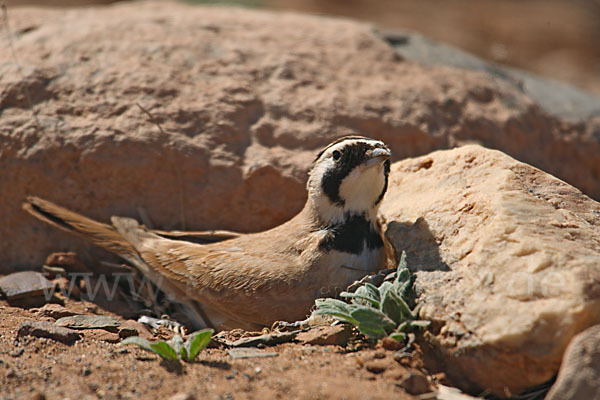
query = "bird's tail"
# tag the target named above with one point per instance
(119, 238)
(103, 235)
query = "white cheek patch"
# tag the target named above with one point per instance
(362, 187)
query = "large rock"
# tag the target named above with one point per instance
(244, 100)
(508, 262)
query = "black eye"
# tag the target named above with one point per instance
(336, 155)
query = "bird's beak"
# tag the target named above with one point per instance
(377, 156)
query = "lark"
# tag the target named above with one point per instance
(256, 279)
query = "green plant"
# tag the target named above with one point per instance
(377, 311)
(175, 348)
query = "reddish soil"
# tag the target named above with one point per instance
(91, 368)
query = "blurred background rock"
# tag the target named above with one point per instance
(554, 38)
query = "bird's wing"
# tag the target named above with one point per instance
(233, 277)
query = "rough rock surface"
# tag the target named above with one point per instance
(245, 100)
(552, 96)
(326, 335)
(48, 330)
(25, 284)
(579, 375)
(508, 262)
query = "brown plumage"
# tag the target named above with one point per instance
(256, 279)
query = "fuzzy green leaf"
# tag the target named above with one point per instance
(197, 342)
(333, 303)
(391, 306)
(403, 289)
(406, 312)
(372, 291)
(383, 289)
(164, 350)
(420, 323)
(358, 296)
(336, 308)
(138, 341)
(372, 330)
(399, 336)
(372, 322)
(365, 295)
(403, 327)
(402, 264)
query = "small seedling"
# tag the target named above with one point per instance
(377, 311)
(175, 348)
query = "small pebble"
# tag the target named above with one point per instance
(415, 384)
(250, 353)
(375, 367)
(182, 396)
(17, 352)
(38, 396)
(391, 344)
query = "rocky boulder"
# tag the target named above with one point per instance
(507, 263)
(234, 105)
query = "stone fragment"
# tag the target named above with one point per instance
(326, 335)
(376, 367)
(183, 396)
(269, 339)
(249, 352)
(102, 335)
(89, 322)
(55, 311)
(391, 344)
(506, 260)
(134, 328)
(25, 284)
(415, 384)
(68, 261)
(48, 330)
(579, 375)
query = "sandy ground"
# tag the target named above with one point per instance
(96, 367)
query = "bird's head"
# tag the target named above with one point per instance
(349, 177)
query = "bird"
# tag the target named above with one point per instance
(256, 279)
